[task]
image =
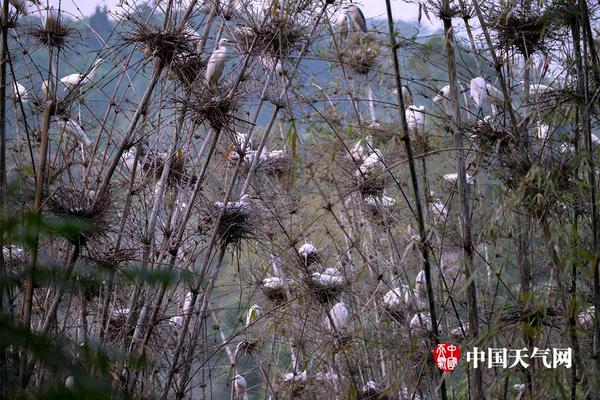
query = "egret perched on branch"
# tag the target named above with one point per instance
(76, 80)
(484, 93)
(19, 92)
(328, 278)
(239, 383)
(342, 24)
(294, 377)
(357, 17)
(253, 314)
(438, 208)
(339, 317)
(383, 201)
(415, 118)
(420, 285)
(307, 250)
(443, 94)
(535, 88)
(73, 129)
(453, 178)
(216, 63)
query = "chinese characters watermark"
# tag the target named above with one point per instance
(511, 358)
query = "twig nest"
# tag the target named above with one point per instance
(165, 45)
(360, 56)
(275, 162)
(85, 214)
(214, 104)
(54, 33)
(421, 322)
(239, 220)
(377, 206)
(14, 256)
(533, 315)
(117, 322)
(274, 37)
(275, 288)
(327, 285)
(586, 317)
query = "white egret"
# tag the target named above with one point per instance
(586, 317)
(373, 164)
(383, 201)
(361, 148)
(19, 92)
(459, 332)
(243, 204)
(239, 383)
(415, 118)
(216, 63)
(453, 178)
(484, 93)
(339, 317)
(307, 250)
(294, 377)
(274, 283)
(357, 17)
(275, 155)
(128, 158)
(176, 321)
(253, 314)
(443, 94)
(420, 285)
(76, 80)
(328, 278)
(394, 298)
(342, 24)
(406, 95)
(535, 88)
(541, 131)
(70, 382)
(73, 129)
(421, 321)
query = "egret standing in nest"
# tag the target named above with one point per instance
(406, 95)
(239, 383)
(243, 204)
(73, 129)
(372, 165)
(216, 63)
(415, 118)
(361, 148)
(357, 17)
(339, 317)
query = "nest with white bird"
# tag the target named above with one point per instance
(326, 286)
(165, 45)
(80, 214)
(53, 33)
(15, 257)
(240, 220)
(275, 289)
(215, 105)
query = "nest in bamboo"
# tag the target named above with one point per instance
(54, 32)
(373, 392)
(14, 257)
(188, 67)
(279, 165)
(533, 315)
(237, 223)
(153, 164)
(360, 57)
(275, 289)
(86, 214)
(527, 32)
(325, 294)
(107, 257)
(275, 37)
(117, 323)
(164, 45)
(491, 139)
(215, 105)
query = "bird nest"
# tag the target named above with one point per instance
(275, 294)
(153, 165)
(54, 32)
(491, 139)
(214, 105)
(83, 215)
(275, 37)
(107, 257)
(164, 45)
(276, 166)
(188, 67)
(534, 315)
(14, 257)
(526, 31)
(360, 57)
(237, 224)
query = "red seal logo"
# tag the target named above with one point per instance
(446, 356)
